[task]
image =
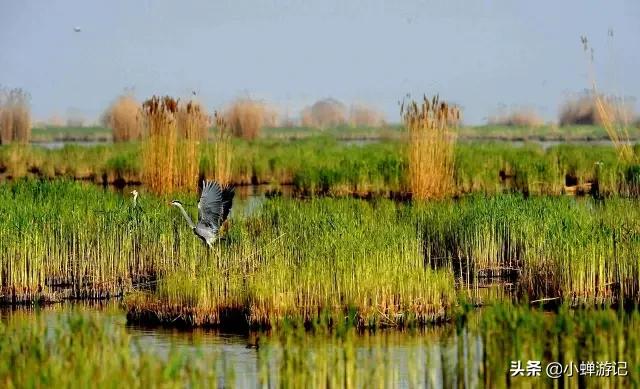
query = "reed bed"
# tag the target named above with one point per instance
(246, 117)
(159, 147)
(431, 147)
(192, 127)
(580, 252)
(123, 118)
(325, 166)
(324, 114)
(311, 262)
(517, 117)
(15, 116)
(217, 161)
(170, 150)
(614, 114)
(361, 115)
(66, 240)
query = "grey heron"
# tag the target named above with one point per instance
(135, 197)
(213, 210)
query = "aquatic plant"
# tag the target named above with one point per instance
(431, 147)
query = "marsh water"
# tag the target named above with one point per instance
(461, 353)
(440, 356)
(545, 144)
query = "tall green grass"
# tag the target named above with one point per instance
(380, 262)
(307, 262)
(581, 251)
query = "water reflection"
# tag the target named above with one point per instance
(474, 351)
(57, 145)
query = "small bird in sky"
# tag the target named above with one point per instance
(77, 29)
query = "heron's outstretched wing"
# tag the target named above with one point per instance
(210, 205)
(227, 201)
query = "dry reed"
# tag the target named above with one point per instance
(324, 113)
(610, 112)
(122, 117)
(159, 147)
(431, 146)
(15, 116)
(518, 117)
(192, 127)
(593, 108)
(223, 151)
(245, 118)
(271, 116)
(364, 116)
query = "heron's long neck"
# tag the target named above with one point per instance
(186, 216)
(135, 200)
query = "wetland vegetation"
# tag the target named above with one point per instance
(323, 165)
(416, 258)
(338, 276)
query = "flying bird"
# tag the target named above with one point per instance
(213, 210)
(77, 29)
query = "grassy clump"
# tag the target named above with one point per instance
(246, 117)
(216, 161)
(123, 118)
(517, 117)
(170, 151)
(159, 147)
(361, 115)
(431, 147)
(324, 113)
(192, 126)
(15, 116)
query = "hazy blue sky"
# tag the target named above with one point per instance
(480, 54)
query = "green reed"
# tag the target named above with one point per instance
(581, 251)
(307, 262)
(323, 165)
(377, 263)
(79, 240)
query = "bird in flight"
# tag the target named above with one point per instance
(213, 209)
(77, 29)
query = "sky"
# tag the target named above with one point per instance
(483, 55)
